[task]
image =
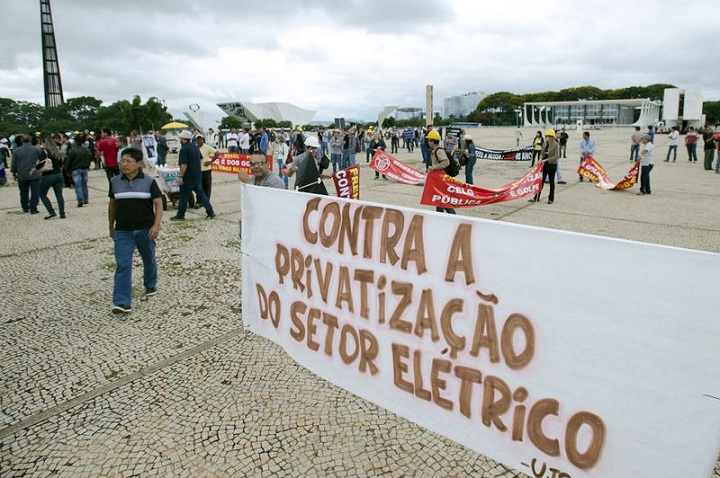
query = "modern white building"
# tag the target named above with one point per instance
(591, 112)
(250, 112)
(683, 108)
(461, 105)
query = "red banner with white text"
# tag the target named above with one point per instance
(347, 182)
(395, 169)
(592, 170)
(442, 190)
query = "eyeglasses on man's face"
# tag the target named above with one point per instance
(254, 164)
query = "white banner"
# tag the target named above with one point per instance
(553, 352)
(150, 144)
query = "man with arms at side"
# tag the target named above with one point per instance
(22, 166)
(190, 177)
(107, 149)
(587, 148)
(134, 215)
(77, 165)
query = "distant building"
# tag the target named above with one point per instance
(461, 105)
(249, 112)
(683, 108)
(591, 112)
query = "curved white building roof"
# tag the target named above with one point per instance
(251, 112)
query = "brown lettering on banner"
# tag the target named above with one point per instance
(468, 376)
(414, 247)
(349, 230)
(519, 395)
(347, 357)
(594, 451)
(460, 258)
(492, 408)
(425, 318)
(485, 333)
(282, 262)
(311, 206)
(323, 278)
(392, 228)
(456, 342)
(437, 384)
(400, 352)
(344, 291)
(538, 412)
(331, 323)
(512, 359)
(369, 350)
(330, 214)
(364, 277)
(369, 215)
(420, 392)
(404, 290)
(298, 332)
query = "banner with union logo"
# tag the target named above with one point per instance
(395, 169)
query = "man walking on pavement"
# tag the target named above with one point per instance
(190, 177)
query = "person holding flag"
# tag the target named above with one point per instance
(549, 155)
(439, 161)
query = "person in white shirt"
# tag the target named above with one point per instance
(646, 164)
(244, 141)
(673, 144)
(232, 141)
(279, 150)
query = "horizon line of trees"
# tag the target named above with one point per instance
(124, 116)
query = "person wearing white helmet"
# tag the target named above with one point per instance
(309, 167)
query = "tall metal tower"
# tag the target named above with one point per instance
(51, 66)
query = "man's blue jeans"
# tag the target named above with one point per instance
(185, 190)
(29, 194)
(125, 244)
(336, 161)
(80, 178)
(634, 152)
(284, 177)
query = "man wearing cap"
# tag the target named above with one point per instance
(23, 169)
(190, 177)
(208, 156)
(549, 155)
(309, 167)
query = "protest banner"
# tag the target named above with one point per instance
(489, 334)
(515, 154)
(347, 182)
(442, 190)
(393, 168)
(589, 168)
(150, 145)
(235, 162)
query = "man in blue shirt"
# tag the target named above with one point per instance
(264, 141)
(190, 177)
(587, 148)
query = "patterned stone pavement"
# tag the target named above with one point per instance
(178, 388)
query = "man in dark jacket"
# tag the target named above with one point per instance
(23, 168)
(77, 165)
(190, 177)
(309, 169)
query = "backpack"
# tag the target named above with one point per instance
(452, 169)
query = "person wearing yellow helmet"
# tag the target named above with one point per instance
(549, 155)
(439, 159)
(425, 147)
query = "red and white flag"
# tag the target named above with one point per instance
(395, 169)
(442, 190)
(347, 182)
(592, 170)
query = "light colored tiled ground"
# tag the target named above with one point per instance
(179, 389)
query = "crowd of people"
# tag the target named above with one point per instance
(39, 163)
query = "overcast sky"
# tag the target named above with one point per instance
(350, 58)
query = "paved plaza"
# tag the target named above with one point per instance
(179, 388)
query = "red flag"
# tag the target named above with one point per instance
(347, 182)
(592, 170)
(393, 168)
(444, 191)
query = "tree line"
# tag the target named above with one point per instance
(84, 112)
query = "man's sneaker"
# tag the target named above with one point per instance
(150, 292)
(121, 309)
(177, 218)
(210, 216)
